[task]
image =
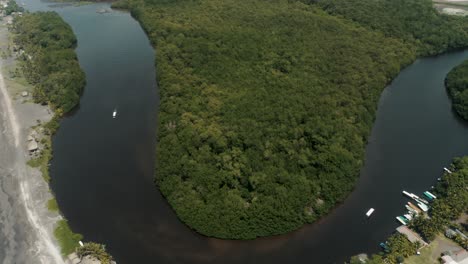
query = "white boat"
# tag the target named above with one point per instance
(114, 114)
(408, 216)
(411, 209)
(447, 170)
(421, 200)
(368, 214)
(410, 195)
(423, 207)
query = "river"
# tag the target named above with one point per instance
(102, 171)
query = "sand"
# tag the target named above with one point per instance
(26, 225)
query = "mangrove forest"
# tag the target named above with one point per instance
(266, 106)
(457, 87)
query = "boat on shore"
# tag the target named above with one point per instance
(447, 170)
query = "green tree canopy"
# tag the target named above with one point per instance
(266, 106)
(456, 83)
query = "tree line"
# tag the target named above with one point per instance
(48, 60)
(456, 83)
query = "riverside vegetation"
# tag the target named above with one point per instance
(457, 87)
(45, 44)
(266, 106)
(46, 47)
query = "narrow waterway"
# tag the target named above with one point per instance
(103, 168)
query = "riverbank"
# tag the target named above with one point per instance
(28, 225)
(32, 125)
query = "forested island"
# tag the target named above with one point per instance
(457, 87)
(266, 106)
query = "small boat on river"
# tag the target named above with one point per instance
(447, 170)
(114, 114)
(368, 214)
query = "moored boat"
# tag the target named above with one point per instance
(421, 200)
(384, 247)
(408, 217)
(423, 207)
(428, 196)
(401, 220)
(427, 193)
(410, 195)
(411, 209)
(414, 207)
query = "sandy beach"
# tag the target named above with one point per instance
(26, 225)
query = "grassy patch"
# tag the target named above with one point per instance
(42, 162)
(52, 205)
(425, 257)
(67, 239)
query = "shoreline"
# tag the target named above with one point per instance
(27, 183)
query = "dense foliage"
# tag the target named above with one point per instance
(452, 201)
(96, 250)
(12, 7)
(414, 21)
(398, 248)
(46, 44)
(457, 86)
(265, 108)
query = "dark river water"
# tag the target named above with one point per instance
(102, 172)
